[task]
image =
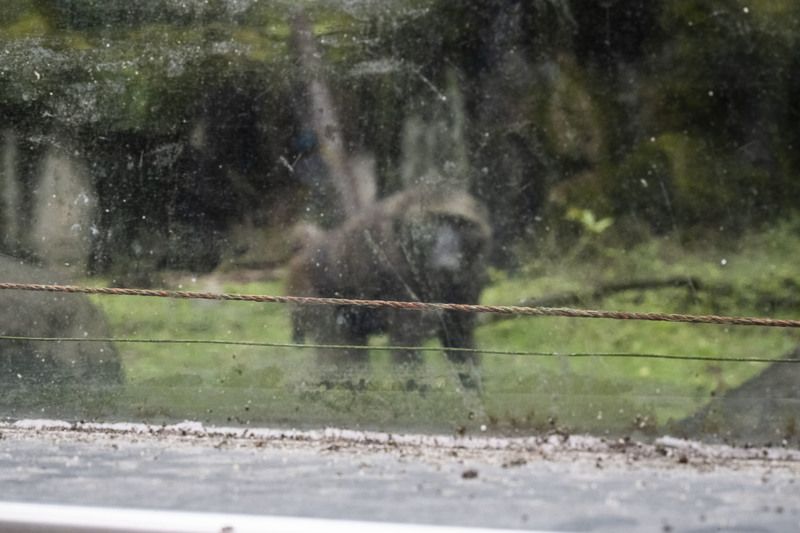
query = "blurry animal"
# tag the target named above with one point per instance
(422, 244)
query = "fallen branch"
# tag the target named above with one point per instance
(569, 298)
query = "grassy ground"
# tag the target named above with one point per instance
(235, 384)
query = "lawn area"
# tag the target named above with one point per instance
(562, 376)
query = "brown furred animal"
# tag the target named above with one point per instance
(422, 244)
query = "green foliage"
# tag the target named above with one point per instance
(589, 221)
(674, 181)
(715, 91)
(715, 151)
(117, 66)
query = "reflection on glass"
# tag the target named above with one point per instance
(629, 155)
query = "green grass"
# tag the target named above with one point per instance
(232, 384)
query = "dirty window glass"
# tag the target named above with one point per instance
(629, 156)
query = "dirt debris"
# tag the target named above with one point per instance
(664, 452)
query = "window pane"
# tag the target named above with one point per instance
(629, 155)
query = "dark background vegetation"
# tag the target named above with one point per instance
(667, 116)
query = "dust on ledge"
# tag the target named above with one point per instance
(663, 452)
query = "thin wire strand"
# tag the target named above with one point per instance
(391, 348)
